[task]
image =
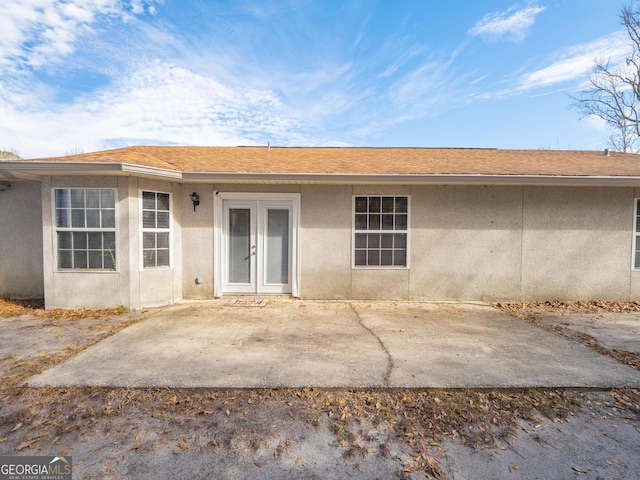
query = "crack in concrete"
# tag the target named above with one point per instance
(387, 375)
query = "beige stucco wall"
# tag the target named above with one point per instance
(487, 243)
(325, 220)
(577, 243)
(83, 289)
(130, 284)
(484, 243)
(157, 286)
(197, 242)
(466, 242)
(21, 241)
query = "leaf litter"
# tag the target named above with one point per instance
(363, 422)
(531, 312)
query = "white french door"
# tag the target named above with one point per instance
(258, 245)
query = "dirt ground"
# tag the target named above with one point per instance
(310, 433)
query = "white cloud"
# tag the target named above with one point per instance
(577, 62)
(511, 24)
(40, 32)
(158, 103)
(572, 64)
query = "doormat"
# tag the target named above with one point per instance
(249, 302)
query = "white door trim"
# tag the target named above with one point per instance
(218, 234)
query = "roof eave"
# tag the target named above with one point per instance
(33, 170)
(413, 179)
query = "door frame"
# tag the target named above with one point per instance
(219, 236)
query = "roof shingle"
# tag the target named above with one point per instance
(367, 161)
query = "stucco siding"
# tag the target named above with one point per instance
(577, 243)
(197, 242)
(161, 285)
(325, 242)
(21, 241)
(84, 289)
(487, 243)
(466, 243)
(130, 284)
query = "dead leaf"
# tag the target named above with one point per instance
(298, 460)
(579, 470)
(258, 464)
(181, 447)
(17, 427)
(24, 445)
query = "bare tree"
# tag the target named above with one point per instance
(74, 151)
(613, 93)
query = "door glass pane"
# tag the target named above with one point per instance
(239, 245)
(277, 264)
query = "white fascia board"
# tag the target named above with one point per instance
(60, 167)
(33, 168)
(151, 171)
(89, 168)
(414, 179)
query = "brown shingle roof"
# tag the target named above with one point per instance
(367, 161)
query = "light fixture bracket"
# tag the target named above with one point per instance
(195, 199)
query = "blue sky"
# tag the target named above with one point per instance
(86, 75)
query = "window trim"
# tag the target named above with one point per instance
(636, 234)
(354, 231)
(142, 229)
(55, 229)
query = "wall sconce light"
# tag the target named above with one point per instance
(195, 199)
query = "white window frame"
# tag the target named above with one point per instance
(636, 234)
(144, 229)
(354, 232)
(56, 229)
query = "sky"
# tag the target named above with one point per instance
(86, 75)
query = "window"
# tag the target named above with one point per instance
(380, 227)
(85, 220)
(156, 229)
(636, 237)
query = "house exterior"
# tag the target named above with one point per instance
(148, 226)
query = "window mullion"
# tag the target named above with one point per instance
(380, 247)
(91, 255)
